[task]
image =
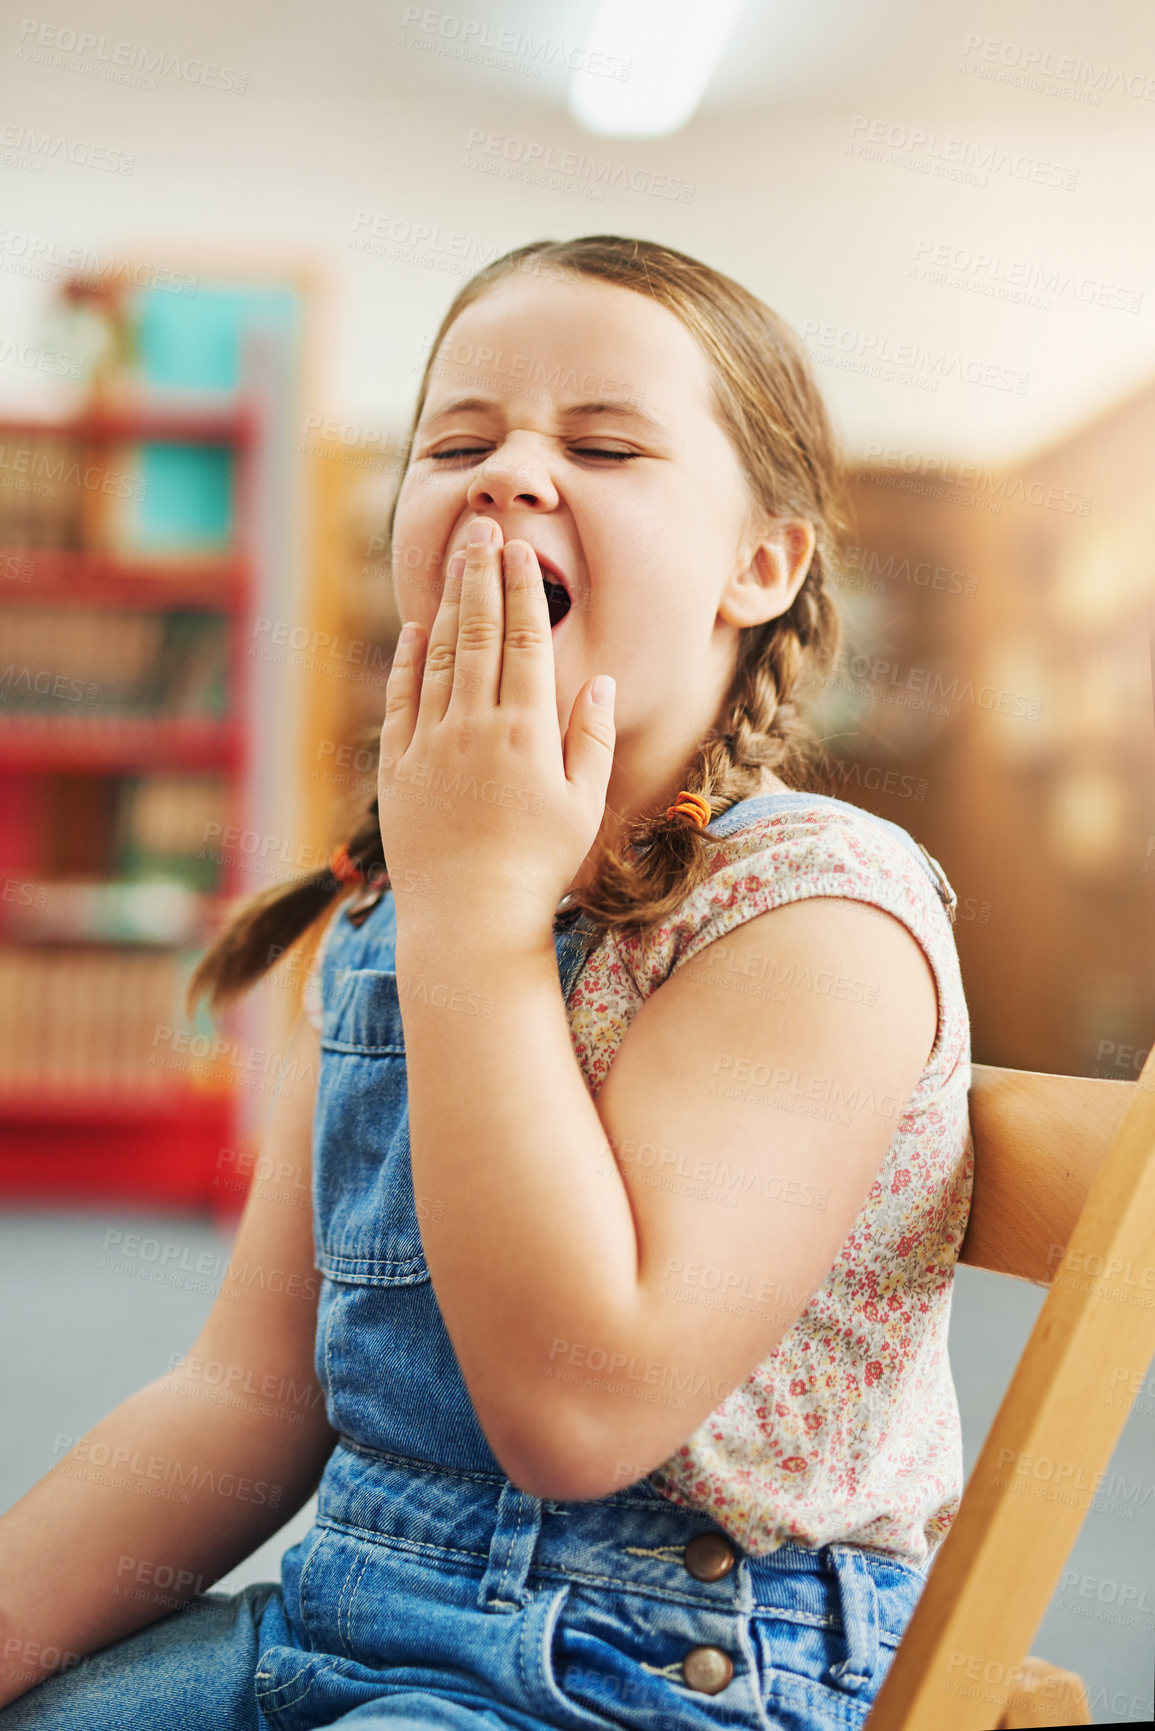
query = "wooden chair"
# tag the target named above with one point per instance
(1064, 1196)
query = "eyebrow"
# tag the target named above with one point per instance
(623, 406)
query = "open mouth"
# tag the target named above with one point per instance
(556, 594)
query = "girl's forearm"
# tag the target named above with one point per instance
(528, 1233)
(163, 1497)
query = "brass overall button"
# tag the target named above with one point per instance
(707, 1669)
(709, 1557)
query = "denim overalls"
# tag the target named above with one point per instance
(431, 1591)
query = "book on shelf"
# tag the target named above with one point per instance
(134, 499)
(89, 1020)
(121, 859)
(96, 949)
(157, 910)
(42, 493)
(66, 661)
(170, 826)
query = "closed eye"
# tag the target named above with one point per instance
(579, 451)
(615, 456)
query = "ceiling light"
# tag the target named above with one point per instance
(646, 64)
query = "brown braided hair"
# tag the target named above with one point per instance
(768, 403)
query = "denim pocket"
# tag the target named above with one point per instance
(366, 1217)
(322, 1590)
(794, 1661)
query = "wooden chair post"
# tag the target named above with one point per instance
(962, 1664)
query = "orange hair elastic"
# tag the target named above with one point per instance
(691, 805)
(343, 867)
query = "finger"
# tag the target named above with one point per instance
(480, 620)
(402, 690)
(441, 655)
(528, 679)
(589, 742)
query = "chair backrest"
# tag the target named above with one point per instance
(1039, 1143)
(964, 1650)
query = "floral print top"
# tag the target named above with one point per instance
(849, 1430)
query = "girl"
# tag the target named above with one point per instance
(638, 1130)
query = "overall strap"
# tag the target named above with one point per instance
(573, 935)
(370, 941)
(760, 805)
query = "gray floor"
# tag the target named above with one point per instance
(78, 1337)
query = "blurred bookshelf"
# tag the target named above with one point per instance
(996, 699)
(134, 558)
(354, 627)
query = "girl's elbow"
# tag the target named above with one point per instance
(558, 1463)
(563, 1481)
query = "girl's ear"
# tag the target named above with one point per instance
(765, 586)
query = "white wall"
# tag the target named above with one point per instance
(343, 114)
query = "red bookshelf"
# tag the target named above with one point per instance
(28, 745)
(53, 574)
(236, 427)
(167, 1150)
(86, 1114)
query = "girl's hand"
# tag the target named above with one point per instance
(484, 815)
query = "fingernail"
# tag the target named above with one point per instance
(603, 691)
(480, 532)
(516, 555)
(408, 635)
(456, 566)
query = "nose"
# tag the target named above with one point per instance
(507, 478)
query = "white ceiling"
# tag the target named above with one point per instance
(343, 113)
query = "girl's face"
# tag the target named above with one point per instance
(579, 415)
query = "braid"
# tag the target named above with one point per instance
(662, 859)
(260, 927)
